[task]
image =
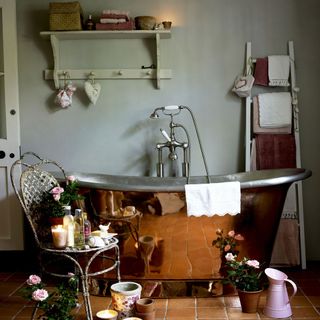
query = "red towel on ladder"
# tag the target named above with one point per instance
(275, 151)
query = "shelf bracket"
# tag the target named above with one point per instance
(158, 59)
(56, 61)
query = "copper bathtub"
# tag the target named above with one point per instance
(184, 244)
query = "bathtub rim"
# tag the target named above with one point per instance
(259, 178)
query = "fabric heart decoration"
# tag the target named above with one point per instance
(92, 90)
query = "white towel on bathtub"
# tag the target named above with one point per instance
(213, 199)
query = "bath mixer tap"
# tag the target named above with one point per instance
(172, 144)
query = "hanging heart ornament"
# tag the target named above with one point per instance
(92, 90)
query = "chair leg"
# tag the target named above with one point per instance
(86, 297)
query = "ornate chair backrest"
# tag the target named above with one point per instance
(33, 182)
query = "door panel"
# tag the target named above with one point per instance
(11, 221)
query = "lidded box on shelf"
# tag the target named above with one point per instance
(65, 16)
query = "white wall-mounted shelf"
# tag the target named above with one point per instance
(58, 74)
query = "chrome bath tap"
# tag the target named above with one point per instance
(172, 143)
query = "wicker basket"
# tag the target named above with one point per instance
(65, 16)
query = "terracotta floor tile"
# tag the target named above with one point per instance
(161, 303)
(237, 314)
(315, 300)
(25, 312)
(209, 303)
(161, 313)
(181, 313)
(212, 313)
(181, 303)
(232, 302)
(300, 301)
(304, 312)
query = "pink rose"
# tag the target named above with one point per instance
(33, 280)
(40, 295)
(56, 190)
(231, 233)
(227, 247)
(71, 178)
(239, 237)
(253, 263)
(56, 196)
(230, 257)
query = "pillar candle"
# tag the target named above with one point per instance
(59, 236)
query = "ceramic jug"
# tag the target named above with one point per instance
(278, 301)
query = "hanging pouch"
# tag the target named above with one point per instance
(243, 85)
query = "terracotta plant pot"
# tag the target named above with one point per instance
(55, 220)
(249, 300)
(145, 305)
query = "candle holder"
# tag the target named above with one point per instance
(107, 314)
(59, 236)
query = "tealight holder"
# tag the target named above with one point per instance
(107, 314)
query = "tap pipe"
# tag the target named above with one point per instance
(199, 141)
(160, 163)
(186, 147)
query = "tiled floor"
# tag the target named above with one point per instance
(305, 305)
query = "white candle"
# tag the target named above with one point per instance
(59, 236)
(107, 314)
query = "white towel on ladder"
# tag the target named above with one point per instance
(213, 199)
(275, 109)
(278, 70)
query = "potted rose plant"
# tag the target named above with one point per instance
(54, 201)
(245, 276)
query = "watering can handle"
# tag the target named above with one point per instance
(294, 288)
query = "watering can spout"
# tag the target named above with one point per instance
(278, 301)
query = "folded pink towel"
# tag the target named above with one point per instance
(114, 16)
(275, 151)
(261, 72)
(129, 25)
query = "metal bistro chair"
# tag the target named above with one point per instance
(33, 181)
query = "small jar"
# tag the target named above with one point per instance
(89, 23)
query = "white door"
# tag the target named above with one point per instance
(11, 218)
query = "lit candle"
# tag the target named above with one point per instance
(59, 236)
(107, 314)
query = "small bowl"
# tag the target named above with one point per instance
(145, 22)
(107, 314)
(167, 24)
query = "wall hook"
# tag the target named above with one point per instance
(91, 77)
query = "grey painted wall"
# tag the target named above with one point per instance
(205, 53)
